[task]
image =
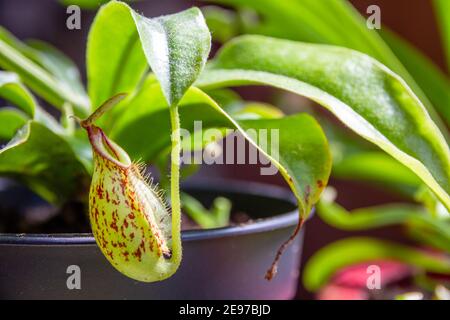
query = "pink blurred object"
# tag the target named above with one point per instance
(336, 292)
(350, 283)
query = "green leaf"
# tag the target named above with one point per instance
(223, 23)
(45, 162)
(321, 267)
(258, 110)
(85, 4)
(115, 61)
(380, 216)
(357, 159)
(11, 120)
(176, 47)
(378, 167)
(442, 9)
(428, 76)
(15, 56)
(216, 217)
(304, 161)
(366, 96)
(330, 22)
(13, 91)
(431, 202)
(59, 65)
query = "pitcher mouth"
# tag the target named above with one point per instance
(107, 148)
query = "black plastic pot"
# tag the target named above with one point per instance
(225, 263)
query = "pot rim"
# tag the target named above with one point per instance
(235, 186)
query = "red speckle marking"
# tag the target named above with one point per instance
(138, 254)
(114, 226)
(99, 191)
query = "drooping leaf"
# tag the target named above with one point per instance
(334, 22)
(321, 267)
(366, 96)
(15, 56)
(176, 47)
(302, 156)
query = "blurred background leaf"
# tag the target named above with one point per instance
(321, 267)
(18, 57)
(442, 10)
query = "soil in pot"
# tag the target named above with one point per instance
(21, 211)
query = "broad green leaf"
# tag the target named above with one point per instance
(442, 9)
(429, 77)
(13, 91)
(45, 162)
(40, 80)
(366, 96)
(11, 120)
(333, 22)
(303, 157)
(321, 267)
(115, 61)
(176, 47)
